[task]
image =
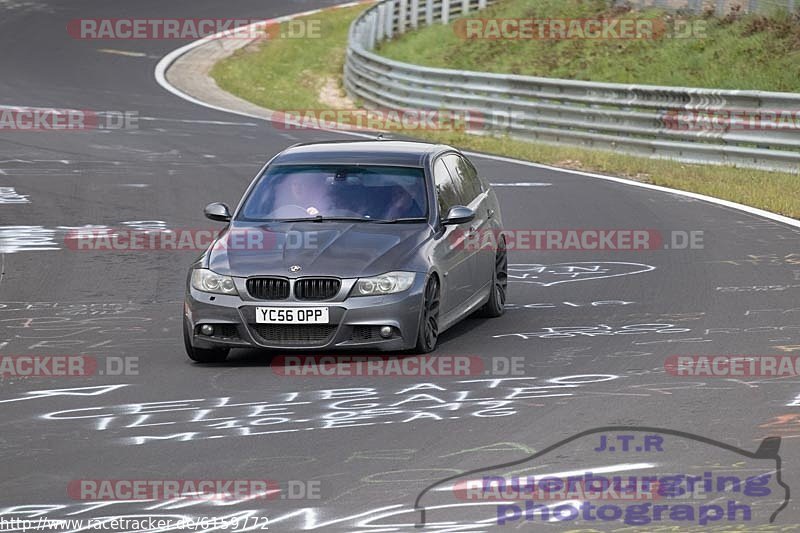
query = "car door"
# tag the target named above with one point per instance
(472, 195)
(452, 255)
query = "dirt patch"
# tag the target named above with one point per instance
(572, 164)
(332, 95)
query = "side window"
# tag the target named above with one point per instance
(465, 176)
(446, 193)
(472, 175)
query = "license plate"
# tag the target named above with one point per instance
(292, 315)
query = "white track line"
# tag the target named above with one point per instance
(167, 60)
(718, 201)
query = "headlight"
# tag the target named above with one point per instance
(388, 283)
(207, 281)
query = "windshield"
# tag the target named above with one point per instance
(358, 192)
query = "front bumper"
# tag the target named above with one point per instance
(354, 322)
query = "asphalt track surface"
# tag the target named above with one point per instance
(735, 295)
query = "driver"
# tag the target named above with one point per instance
(304, 191)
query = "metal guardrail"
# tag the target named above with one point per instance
(687, 124)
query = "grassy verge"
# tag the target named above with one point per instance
(289, 73)
(295, 74)
(733, 52)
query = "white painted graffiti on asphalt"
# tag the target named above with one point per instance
(72, 308)
(9, 195)
(81, 327)
(548, 275)
(77, 391)
(605, 330)
(39, 238)
(759, 288)
(27, 238)
(758, 260)
(554, 305)
(601, 330)
(193, 419)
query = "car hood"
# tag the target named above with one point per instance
(340, 249)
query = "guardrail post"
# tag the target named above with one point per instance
(372, 38)
(464, 7)
(720, 8)
(402, 16)
(445, 11)
(389, 28)
(428, 12)
(414, 14)
(481, 4)
(360, 36)
(380, 23)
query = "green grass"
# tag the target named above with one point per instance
(289, 74)
(734, 52)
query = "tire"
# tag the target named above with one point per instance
(496, 305)
(202, 355)
(428, 333)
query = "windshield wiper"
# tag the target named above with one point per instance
(402, 220)
(320, 218)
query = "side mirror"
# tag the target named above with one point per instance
(218, 211)
(458, 214)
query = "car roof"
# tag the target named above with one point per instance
(375, 152)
